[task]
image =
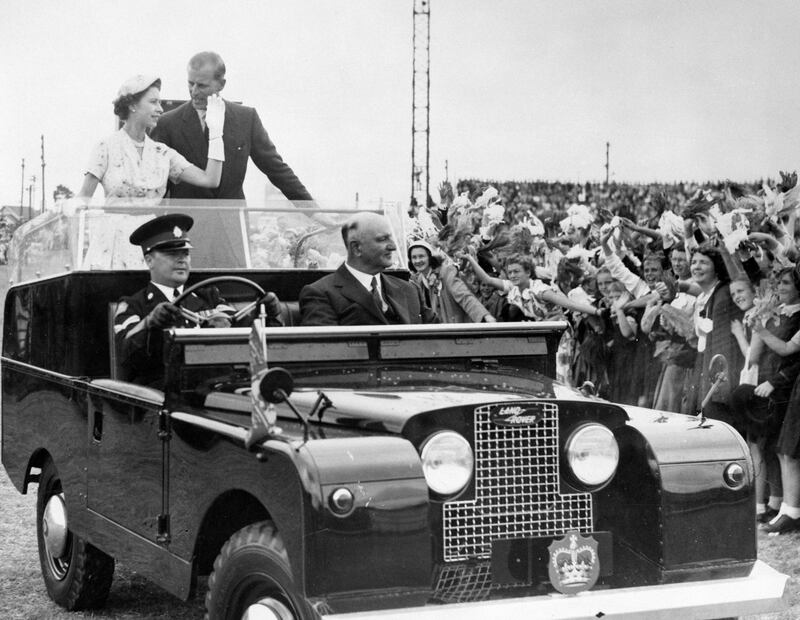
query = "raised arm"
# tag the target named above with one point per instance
(212, 175)
(642, 230)
(481, 274)
(463, 296)
(781, 347)
(558, 298)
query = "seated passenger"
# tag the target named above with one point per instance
(358, 293)
(141, 317)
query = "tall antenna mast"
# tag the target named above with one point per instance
(420, 105)
(22, 190)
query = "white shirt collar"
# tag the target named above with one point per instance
(365, 278)
(168, 290)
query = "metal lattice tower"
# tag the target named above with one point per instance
(420, 106)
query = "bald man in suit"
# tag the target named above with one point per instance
(358, 292)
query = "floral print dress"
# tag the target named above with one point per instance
(128, 177)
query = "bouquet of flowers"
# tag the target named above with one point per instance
(677, 321)
(765, 306)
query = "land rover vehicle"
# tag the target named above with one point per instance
(350, 471)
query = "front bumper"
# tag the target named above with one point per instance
(762, 591)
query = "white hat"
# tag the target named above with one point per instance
(137, 84)
(419, 243)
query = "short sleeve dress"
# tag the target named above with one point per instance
(126, 176)
(529, 300)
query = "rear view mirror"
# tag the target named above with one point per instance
(276, 385)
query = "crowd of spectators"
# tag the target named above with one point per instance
(656, 282)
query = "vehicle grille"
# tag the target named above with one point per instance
(516, 489)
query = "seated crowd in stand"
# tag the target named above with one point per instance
(654, 281)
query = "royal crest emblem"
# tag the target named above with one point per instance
(574, 565)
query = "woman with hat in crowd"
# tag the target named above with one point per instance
(131, 167)
(442, 288)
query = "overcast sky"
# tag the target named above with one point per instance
(520, 89)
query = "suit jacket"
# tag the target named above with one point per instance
(340, 299)
(140, 350)
(244, 137)
(217, 235)
(454, 303)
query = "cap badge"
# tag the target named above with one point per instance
(177, 233)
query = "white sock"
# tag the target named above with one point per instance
(761, 509)
(790, 511)
(775, 502)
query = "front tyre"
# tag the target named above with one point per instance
(76, 574)
(252, 579)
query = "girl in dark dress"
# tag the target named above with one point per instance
(787, 374)
(622, 341)
(762, 416)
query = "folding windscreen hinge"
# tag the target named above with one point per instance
(163, 536)
(164, 432)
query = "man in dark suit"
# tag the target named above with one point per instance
(358, 293)
(244, 138)
(141, 317)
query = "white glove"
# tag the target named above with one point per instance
(216, 149)
(215, 116)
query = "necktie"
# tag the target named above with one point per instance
(175, 293)
(376, 295)
(202, 115)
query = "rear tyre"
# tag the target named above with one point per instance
(252, 579)
(77, 575)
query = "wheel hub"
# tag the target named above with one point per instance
(267, 609)
(54, 526)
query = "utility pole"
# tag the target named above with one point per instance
(22, 190)
(43, 193)
(608, 145)
(420, 105)
(30, 196)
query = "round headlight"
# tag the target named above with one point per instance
(447, 462)
(592, 454)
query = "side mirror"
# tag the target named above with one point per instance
(718, 371)
(718, 368)
(276, 385)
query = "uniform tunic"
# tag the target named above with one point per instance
(140, 349)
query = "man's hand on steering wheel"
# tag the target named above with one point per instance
(164, 314)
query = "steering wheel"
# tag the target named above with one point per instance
(195, 318)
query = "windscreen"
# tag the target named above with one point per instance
(279, 234)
